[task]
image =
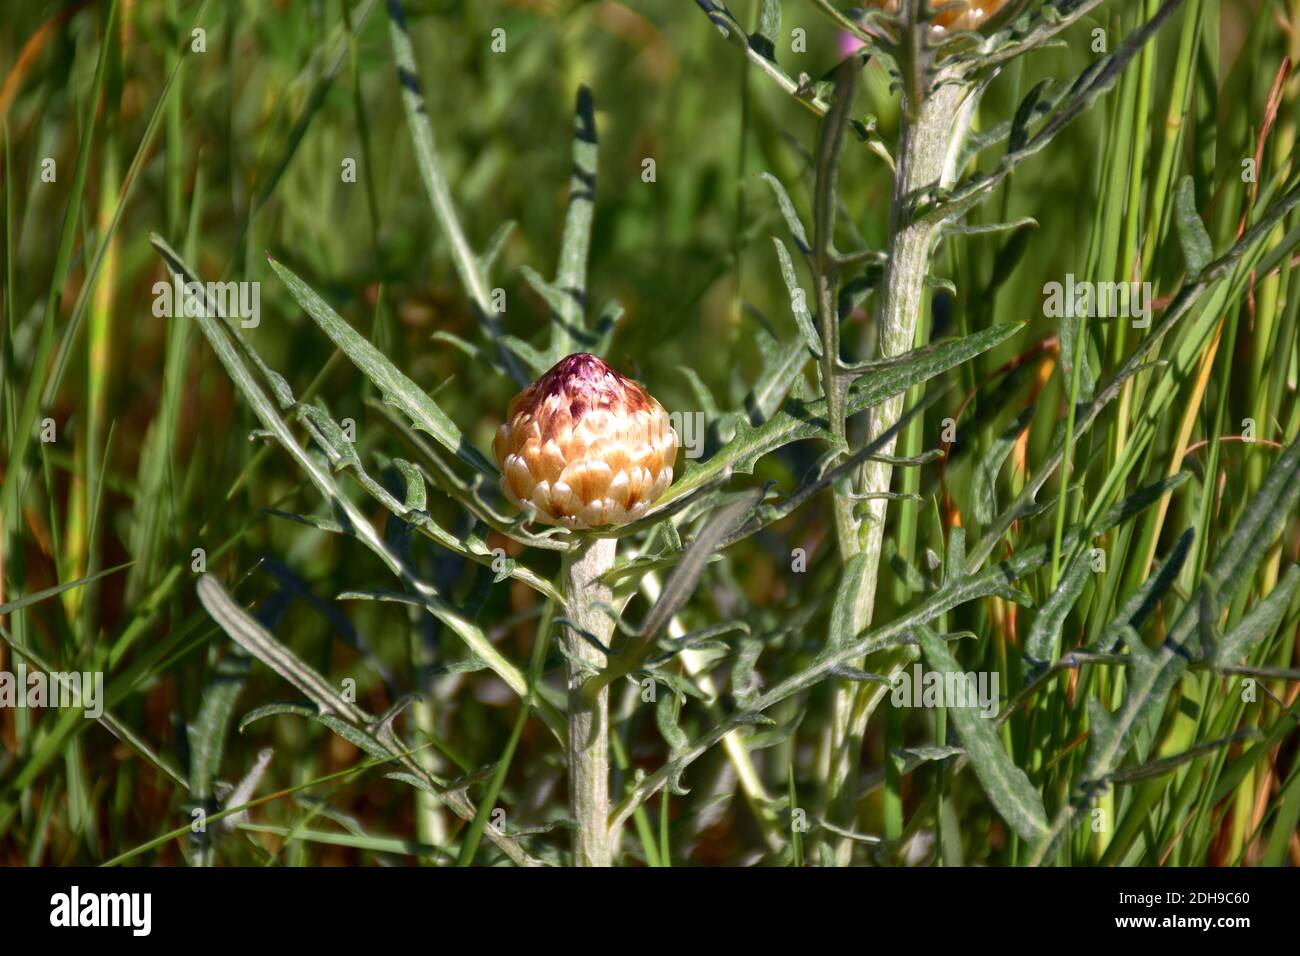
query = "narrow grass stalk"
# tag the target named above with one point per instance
(591, 618)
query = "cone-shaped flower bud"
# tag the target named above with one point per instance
(584, 447)
(959, 15)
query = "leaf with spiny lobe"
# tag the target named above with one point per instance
(396, 387)
(800, 420)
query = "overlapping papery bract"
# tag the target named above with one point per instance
(585, 447)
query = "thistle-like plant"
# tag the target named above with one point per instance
(918, 442)
(589, 453)
(942, 58)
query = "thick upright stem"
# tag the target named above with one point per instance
(932, 133)
(590, 609)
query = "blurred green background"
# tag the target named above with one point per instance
(235, 152)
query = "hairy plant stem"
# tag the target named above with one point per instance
(589, 605)
(934, 125)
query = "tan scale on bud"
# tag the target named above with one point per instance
(962, 15)
(585, 447)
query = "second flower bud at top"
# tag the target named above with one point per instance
(962, 15)
(585, 447)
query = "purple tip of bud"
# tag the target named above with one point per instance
(580, 372)
(587, 382)
(580, 365)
